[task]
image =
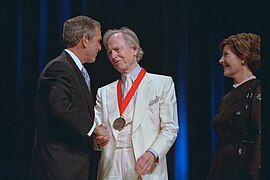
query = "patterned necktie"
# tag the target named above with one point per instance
(86, 77)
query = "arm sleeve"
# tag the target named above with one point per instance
(255, 162)
(67, 104)
(168, 118)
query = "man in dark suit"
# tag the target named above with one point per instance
(65, 109)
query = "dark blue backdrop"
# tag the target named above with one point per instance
(180, 38)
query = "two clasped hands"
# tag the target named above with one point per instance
(101, 135)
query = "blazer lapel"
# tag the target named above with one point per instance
(86, 92)
(142, 101)
(112, 105)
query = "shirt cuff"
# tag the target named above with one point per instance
(154, 153)
(92, 129)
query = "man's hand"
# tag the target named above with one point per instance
(101, 135)
(145, 164)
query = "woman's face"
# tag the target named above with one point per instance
(231, 63)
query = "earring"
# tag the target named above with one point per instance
(242, 62)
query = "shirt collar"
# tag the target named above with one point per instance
(250, 78)
(75, 59)
(133, 75)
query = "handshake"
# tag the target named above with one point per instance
(101, 135)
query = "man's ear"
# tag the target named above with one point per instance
(85, 40)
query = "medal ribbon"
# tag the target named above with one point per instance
(123, 104)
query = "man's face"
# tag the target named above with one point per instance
(93, 46)
(122, 56)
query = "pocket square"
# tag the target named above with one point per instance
(154, 101)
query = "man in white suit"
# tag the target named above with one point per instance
(144, 123)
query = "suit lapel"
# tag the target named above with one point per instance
(142, 101)
(86, 92)
(141, 106)
(112, 103)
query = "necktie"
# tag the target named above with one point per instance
(128, 113)
(86, 77)
(127, 84)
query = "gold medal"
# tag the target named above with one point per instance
(119, 123)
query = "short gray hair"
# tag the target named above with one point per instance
(76, 27)
(130, 38)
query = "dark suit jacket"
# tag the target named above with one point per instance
(65, 113)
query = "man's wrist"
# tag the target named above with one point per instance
(154, 154)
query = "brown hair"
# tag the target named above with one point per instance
(247, 47)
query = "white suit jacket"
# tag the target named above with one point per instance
(155, 121)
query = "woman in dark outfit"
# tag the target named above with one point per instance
(238, 120)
